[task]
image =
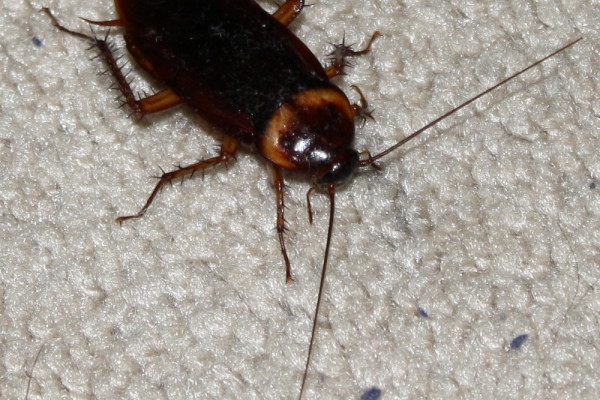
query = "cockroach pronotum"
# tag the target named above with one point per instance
(243, 71)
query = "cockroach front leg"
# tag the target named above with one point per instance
(279, 189)
(157, 102)
(361, 110)
(337, 58)
(228, 150)
(288, 11)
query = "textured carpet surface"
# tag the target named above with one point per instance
(484, 229)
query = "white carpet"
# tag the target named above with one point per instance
(490, 223)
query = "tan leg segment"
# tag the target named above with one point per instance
(228, 149)
(288, 11)
(162, 100)
(279, 189)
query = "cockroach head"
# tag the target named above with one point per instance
(313, 132)
(338, 171)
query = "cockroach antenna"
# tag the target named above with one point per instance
(370, 160)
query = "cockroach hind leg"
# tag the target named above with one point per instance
(288, 11)
(159, 101)
(337, 58)
(140, 106)
(228, 150)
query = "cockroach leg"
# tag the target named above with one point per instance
(279, 189)
(288, 11)
(337, 57)
(361, 110)
(66, 30)
(228, 150)
(157, 102)
(112, 22)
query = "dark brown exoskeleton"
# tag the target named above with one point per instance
(241, 70)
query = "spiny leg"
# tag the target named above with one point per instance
(228, 149)
(338, 56)
(279, 189)
(157, 102)
(288, 11)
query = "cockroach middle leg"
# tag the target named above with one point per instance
(228, 150)
(288, 11)
(154, 103)
(337, 58)
(279, 191)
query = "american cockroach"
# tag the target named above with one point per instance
(243, 71)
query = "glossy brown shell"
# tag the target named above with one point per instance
(229, 60)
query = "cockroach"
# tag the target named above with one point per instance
(243, 71)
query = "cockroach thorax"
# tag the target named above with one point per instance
(310, 132)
